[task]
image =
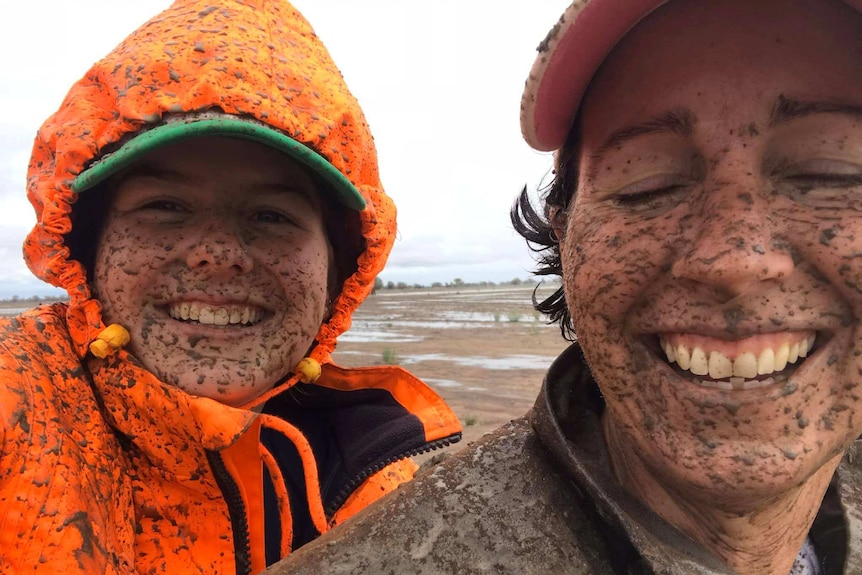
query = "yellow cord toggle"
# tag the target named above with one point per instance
(308, 370)
(110, 340)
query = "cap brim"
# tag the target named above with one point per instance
(171, 132)
(572, 52)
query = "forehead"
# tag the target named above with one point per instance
(725, 58)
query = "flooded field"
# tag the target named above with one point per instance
(485, 350)
(10, 308)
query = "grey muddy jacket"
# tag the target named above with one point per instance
(538, 497)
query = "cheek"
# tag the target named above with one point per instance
(116, 260)
(827, 246)
(609, 263)
(304, 272)
(838, 248)
(125, 261)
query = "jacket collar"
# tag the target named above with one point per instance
(375, 415)
(171, 428)
(566, 418)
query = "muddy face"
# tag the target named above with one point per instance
(713, 251)
(214, 256)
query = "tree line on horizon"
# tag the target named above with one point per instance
(35, 299)
(379, 284)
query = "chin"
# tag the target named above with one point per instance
(230, 387)
(740, 474)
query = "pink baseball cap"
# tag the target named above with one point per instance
(569, 57)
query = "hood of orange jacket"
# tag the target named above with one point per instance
(257, 59)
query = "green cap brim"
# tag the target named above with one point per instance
(171, 132)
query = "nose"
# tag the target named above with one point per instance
(219, 248)
(735, 246)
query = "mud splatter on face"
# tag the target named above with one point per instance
(215, 257)
(734, 237)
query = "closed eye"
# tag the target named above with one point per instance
(163, 205)
(646, 197)
(652, 196)
(811, 181)
(820, 174)
(821, 183)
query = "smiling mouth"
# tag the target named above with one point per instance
(750, 363)
(218, 315)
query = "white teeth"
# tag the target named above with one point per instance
(717, 384)
(755, 383)
(221, 316)
(794, 353)
(745, 366)
(766, 362)
(719, 366)
(683, 357)
(743, 370)
(699, 363)
(207, 315)
(669, 352)
(781, 356)
(216, 315)
(810, 341)
(805, 346)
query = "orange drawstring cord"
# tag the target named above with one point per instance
(309, 467)
(284, 511)
(263, 398)
(308, 370)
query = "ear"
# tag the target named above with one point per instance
(557, 218)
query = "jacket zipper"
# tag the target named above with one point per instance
(236, 510)
(351, 485)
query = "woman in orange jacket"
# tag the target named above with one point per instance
(208, 196)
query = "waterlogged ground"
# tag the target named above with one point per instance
(485, 350)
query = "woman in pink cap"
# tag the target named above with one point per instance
(706, 219)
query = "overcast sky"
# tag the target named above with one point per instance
(440, 83)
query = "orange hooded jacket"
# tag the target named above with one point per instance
(106, 469)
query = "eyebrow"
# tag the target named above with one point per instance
(679, 121)
(787, 109)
